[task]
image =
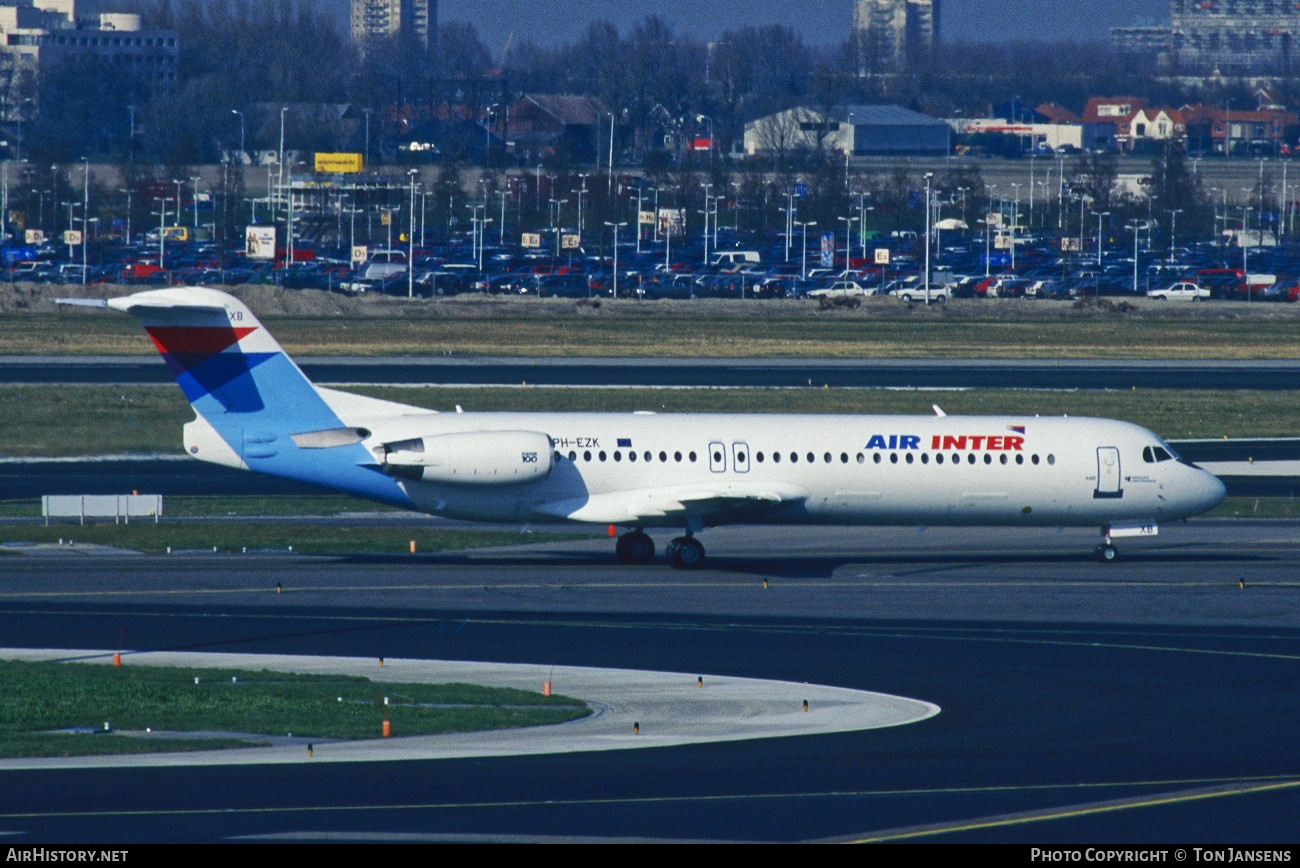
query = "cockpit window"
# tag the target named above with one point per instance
(1156, 454)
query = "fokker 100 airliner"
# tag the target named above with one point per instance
(256, 410)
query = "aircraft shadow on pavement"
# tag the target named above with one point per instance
(809, 566)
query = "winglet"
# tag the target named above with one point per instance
(937, 411)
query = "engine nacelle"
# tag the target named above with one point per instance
(471, 457)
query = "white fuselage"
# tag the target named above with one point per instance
(722, 468)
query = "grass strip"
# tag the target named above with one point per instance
(39, 702)
(878, 329)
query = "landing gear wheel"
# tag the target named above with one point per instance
(635, 547)
(685, 553)
(1106, 553)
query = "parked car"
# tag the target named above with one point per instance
(841, 288)
(1183, 290)
(916, 292)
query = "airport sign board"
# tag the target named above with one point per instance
(339, 164)
(259, 242)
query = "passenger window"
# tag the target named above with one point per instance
(677, 456)
(893, 458)
(811, 458)
(970, 459)
(910, 458)
(794, 457)
(844, 458)
(586, 456)
(692, 457)
(631, 456)
(925, 457)
(876, 457)
(663, 456)
(573, 456)
(1003, 458)
(602, 455)
(1051, 459)
(1033, 459)
(776, 457)
(862, 459)
(988, 459)
(758, 456)
(938, 459)
(827, 458)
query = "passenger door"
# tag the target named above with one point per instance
(1108, 473)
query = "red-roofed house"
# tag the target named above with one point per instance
(1215, 129)
(1102, 117)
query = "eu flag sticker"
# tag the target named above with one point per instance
(625, 442)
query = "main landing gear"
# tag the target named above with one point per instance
(636, 547)
(685, 553)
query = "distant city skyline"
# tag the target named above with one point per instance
(818, 21)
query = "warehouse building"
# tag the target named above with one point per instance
(859, 130)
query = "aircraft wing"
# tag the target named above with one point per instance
(654, 505)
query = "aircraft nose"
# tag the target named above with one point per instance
(1212, 491)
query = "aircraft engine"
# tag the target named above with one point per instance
(471, 457)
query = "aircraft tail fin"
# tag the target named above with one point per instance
(224, 360)
(256, 408)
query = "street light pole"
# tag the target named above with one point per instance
(1015, 218)
(85, 216)
(280, 185)
(803, 244)
(1135, 225)
(616, 226)
(609, 191)
(789, 223)
(1099, 216)
(928, 177)
(241, 134)
(410, 243)
(707, 188)
(127, 191)
(1173, 224)
(162, 226)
